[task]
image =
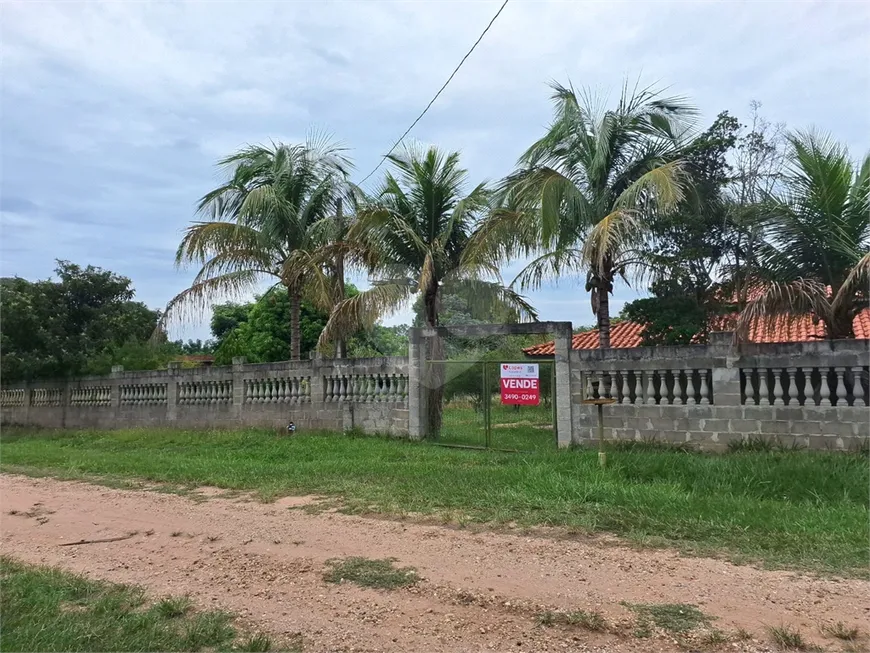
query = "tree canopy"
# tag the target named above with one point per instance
(272, 219)
(583, 197)
(80, 323)
(260, 331)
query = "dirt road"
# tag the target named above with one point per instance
(481, 591)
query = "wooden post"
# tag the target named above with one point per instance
(602, 454)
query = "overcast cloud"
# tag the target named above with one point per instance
(113, 114)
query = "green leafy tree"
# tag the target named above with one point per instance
(226, 317)
(687, 246)
(262, 334)
(586, 193)
(133, 355)
(66, 327)
(193, 347)
(379, 341)
(815, 238)
(260, 330)
(271, 219)
(688, 243)
(757, 170)
(672, 316)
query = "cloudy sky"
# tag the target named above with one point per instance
(114, 113)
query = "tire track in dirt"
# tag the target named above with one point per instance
(480, 590)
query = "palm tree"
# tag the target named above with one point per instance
(814, 257)
(580, 201)
(271, 219)
(417, 234)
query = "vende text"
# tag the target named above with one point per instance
(519, 384)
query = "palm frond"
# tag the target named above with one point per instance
(234, 260)
(363, 310)
(489, 298)
(817, 224)
(792, 301)
(300, 265)
(270, 217)
(858, 205)
(203, 240)
(614, 233)
(194, 301)
(856, 284)
(662, 187)
(549, 267)
(502, 235)
(329, 154)
(466, 211)
(319, 287)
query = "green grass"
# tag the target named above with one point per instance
(368, 572)
(173, 606)
(671, 617)
(842, 631)
(46, 609)
(520, 428)
(786, 509)
(589, 620)
(786, 638)
(714, 637)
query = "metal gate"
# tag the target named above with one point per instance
(474, 417)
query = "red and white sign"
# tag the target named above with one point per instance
(520, 384)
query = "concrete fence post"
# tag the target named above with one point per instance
(115, 384)
(238, 385)
(28, 400)
(726, 379)
(416, 390)
(172, 370)
(318, 408)
(564, 404)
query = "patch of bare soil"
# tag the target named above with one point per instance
(480, 591)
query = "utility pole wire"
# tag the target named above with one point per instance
(432, 101)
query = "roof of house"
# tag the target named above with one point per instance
(628, 334)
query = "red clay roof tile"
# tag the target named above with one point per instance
(628, 334)
(622, 335)
(861, 325)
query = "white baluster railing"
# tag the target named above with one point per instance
(858, 386)
(777, 387)
(824, 388)
(12, 397)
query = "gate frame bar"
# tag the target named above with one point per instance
(419, 338)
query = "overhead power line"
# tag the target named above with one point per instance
(440, 90)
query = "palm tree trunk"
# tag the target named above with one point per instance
(295, 332)
(435, 380)
(603, 317)
(341, 345)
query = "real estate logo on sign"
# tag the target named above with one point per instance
(520, 385)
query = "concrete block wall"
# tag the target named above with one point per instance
(308, 393)
(814, 395)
